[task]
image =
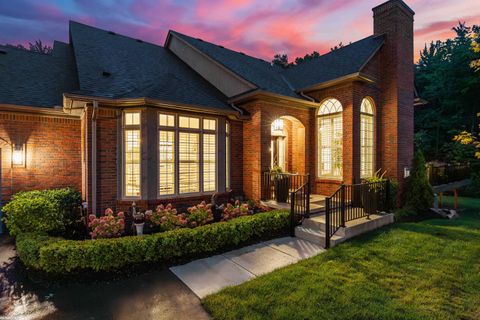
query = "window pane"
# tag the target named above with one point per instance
(132, 118)
(330, 142)
(167, 120)
(166, 162)
(189, 155)
(209, 162)
(189, 122)
(209, 124)
(132, 163)
(366, 146)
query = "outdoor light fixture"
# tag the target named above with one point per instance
(18, 155)
(277, 125)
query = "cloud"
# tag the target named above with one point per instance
(259, 28)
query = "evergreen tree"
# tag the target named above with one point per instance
(418, 194)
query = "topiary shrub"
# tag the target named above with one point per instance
(51, 211)
(418, 193)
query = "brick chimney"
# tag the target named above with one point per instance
(394, 20)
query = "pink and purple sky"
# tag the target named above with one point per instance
(259, 28)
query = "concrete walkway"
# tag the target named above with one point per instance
(210, 275)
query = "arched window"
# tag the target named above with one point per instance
(330, 139)
(367, 138)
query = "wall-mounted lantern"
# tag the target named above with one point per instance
(18, 155)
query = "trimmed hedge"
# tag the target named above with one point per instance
(56, 255)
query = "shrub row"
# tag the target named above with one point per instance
(51, 211)
(56, 255)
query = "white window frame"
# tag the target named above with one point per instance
(370, 115)
(201, 131)
(329, 109)
(126, 127)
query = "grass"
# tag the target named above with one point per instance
(425, 270)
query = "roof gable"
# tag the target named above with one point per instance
(335, 64)
(115, 66)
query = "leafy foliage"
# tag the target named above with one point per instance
(38, 46)
(57, 255)
(419, 194)
(444, 78)
(51, 211)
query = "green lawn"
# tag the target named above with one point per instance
(427, 270)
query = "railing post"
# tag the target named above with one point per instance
(387, 195)
(293, 221)
(307, 210)
(327, 223)
(342, 199)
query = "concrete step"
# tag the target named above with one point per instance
(316, 236)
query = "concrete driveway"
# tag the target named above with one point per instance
(154, 295)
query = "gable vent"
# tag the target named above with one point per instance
(106, 74)
(112, 33)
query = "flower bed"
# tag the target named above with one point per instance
(56, 255)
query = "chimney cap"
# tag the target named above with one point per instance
(390, 4)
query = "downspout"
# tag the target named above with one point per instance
(307, 97)
(94, 156)
(236, 108)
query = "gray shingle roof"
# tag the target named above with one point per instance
(330, 66)
(34, 79)
(335, 64)
(134, 69)
(103, 64)
(257, 71)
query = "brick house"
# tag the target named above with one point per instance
(123, 120)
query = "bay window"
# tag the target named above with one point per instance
(187, 154)
(330, 139)
(132, 148)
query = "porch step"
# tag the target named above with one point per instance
(316, 236)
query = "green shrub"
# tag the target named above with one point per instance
(63, 256)
(51, 211)
(418, 193)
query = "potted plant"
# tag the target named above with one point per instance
(138, 220)
(280, 182)
(371, 191)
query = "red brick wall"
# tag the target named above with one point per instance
(395, 21)
(256, 143)
(52, 152)
(236, 156)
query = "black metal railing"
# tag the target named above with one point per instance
(355, 201)
(447, 173)
(299, 205)
(277, 186)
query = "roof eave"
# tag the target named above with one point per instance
(357, 76)
(269, 96)
(69, 98)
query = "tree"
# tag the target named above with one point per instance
(37, 46)
(307, 57)
(476, 47)
(419, 193)
(444, 77)
(468, 138)
(280, 60)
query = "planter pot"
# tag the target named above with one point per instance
(281, 189)
(139, 228)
